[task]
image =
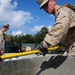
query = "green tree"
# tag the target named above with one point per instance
(27, 39)
(40, 35)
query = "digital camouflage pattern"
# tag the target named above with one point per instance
(63, 31)
(1, 39)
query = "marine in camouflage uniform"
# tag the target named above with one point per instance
(1, 39)
(63, 31)
(2, 30)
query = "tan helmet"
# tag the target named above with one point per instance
(42, 2)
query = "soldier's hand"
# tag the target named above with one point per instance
(42, 49)
(1, 52)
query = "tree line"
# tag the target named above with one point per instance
(28, 38)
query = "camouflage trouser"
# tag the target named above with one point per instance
(69, 42)
(72, 50)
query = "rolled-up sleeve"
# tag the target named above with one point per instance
(59, 29)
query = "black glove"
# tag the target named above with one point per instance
(42, 49)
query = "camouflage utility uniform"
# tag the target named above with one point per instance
(63, 31)
(1, 39)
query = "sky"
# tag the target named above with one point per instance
(25, 16)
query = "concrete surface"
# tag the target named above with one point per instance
(38, 65)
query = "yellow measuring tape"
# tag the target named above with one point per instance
(6, 56)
